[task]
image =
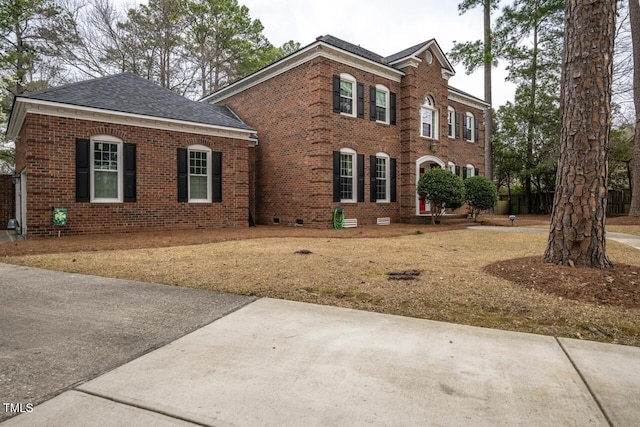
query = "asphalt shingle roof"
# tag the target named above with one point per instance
(128, 93)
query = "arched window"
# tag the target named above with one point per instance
(452, 167)
(106, 164)
(429, 119)
(470, 171)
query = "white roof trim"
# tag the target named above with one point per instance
(414, 59)
(467, 100)
(24, 106)
(315, 50)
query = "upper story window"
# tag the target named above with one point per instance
(199, 173)
(347, 94)
(382, 104)
(428, 119)
(469, 127)
(348, 175)
(106, 169)
(451, 122)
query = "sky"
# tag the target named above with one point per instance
(382, 26)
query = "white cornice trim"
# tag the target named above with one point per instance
(467, 100)
(315, 50)
(24, 106)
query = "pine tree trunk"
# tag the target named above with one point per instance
(488, 115)
(634, 19)
(577, 233)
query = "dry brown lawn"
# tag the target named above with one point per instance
(351, 268)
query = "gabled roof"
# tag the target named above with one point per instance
(128, 93)
(391, 67)
(352, 48)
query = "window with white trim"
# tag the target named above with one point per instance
(451, 122)
(471, 171)
(199, 173)
(469, 127)
(382, 104)
(347, 94)
(428, 119)
(106, 169)
(348, 175)
(382, 177)
(452, 167)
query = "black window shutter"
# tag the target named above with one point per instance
(216, 173)
(477, 172)
(392, 106)
(464, 173)
(475, 134)
(336, 94)
(336, 176)
(82, 170)
(392, 172)
(361, 177)
(361, 100)
(457, 125)
(372, 103)
(458, 171)
(183, 175)
(373, 181)
(129, 172)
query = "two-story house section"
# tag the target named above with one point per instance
(339, 125)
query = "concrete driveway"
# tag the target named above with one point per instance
(58, 329)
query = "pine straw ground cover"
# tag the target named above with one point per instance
(450, 275)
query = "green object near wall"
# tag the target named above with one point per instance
(59, 216)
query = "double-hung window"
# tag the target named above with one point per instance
(348, 175)
(382, 104)
(469, 127)
(106, 169)
(429, 119)
(451, 122)
(382, 177)
(199, 174)
(347, 94)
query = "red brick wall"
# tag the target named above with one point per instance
(47, 147)
(298, 133)
(7, 200)
(418, 83)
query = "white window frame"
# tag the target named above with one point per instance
(451, 122)
(354, 175)
(471, 170)
(452, 167)
(387, 96)
(387, 178)
(429, 106)
(106, 139)
(344, 77)
(469, 123)
(207, 151)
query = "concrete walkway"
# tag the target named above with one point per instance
(282, 363)
(627, 239)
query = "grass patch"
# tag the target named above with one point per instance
(354, 272)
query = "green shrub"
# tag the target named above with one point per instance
(481, 194)
(442, 189)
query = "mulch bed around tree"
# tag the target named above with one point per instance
(618, 286)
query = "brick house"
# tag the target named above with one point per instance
(120, 153)
(341, 125)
